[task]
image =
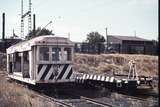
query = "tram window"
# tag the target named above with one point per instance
(26, 64)
(26, 56)
(56, 54)
(10, 63)
(44, 53)
(17, 62)
(10, 57)
(67, 52)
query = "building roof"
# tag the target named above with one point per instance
(10, 39)
(129, 38)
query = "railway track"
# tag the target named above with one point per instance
(88, 102)
(76, 102)
(134, 98)
(103, 104)
(51, 99)
(119, 100)
(92, 101)
(59, 102)
(83, 101)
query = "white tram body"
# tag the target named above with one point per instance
(43, 59)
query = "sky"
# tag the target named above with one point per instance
(80, 17)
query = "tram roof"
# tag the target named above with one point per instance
(40, 40)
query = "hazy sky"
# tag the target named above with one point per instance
(79, 17)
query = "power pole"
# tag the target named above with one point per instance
(34, 23)
(106, 35)
(3, 27)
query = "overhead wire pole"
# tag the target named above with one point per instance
(28, 13)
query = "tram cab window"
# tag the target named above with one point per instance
(67, 54)
(56, 54)
(44, 53)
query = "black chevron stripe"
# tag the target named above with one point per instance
(69, 74)
(46, 71)
(63, 71)
(53, 74)
(51, 77)
(40, 67)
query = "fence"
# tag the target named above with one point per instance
(99, 48)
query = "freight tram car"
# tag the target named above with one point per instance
(44, 59)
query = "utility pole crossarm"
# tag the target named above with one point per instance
(26, 14)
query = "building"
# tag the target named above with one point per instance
(130, 45)
(85, 47)
(120, 44)
(5, 43)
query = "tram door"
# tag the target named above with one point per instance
(10, 63)
(26, 64)
(17, 62)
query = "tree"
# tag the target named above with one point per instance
(94, 38)
(95, 42)
(39, 32)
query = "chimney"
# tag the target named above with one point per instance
(34, 23)
(3, 26)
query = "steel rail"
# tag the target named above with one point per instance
(93, 101)
(52, 99)
(135, 98)
(97, 102)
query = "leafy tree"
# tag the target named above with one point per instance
(39, 32)
(95, 37)
(95, 42)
